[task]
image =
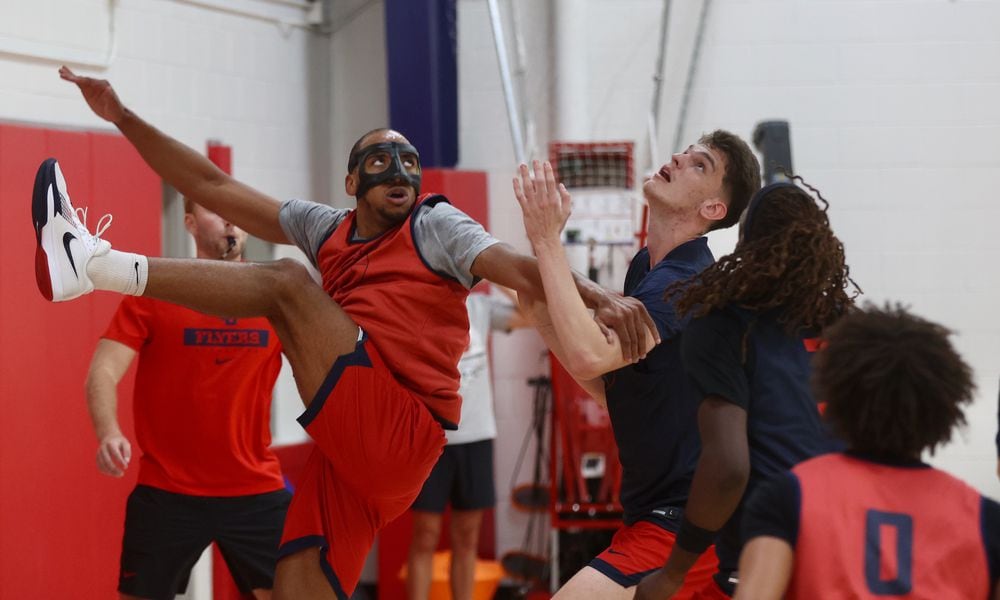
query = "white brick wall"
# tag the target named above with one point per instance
(893, 115)
(360, 101)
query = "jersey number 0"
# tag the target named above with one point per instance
(879, 528)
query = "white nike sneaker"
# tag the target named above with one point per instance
(64, 244)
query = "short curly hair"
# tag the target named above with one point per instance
(892, 382)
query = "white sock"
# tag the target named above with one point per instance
(122, 272)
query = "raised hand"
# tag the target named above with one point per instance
(545, 205)
(99, 94)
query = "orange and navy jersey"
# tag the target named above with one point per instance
(202, 401)
(867, 529)
(415, 316)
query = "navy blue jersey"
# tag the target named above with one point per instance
(748, 359)
(651, 403)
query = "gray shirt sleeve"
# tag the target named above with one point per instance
(450, 240)
(309, 224)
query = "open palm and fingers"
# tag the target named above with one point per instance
(98, 93)
(545, 204)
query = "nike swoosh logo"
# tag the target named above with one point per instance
(613, 551)
(136, 273)
(67, 238)
(222, 361)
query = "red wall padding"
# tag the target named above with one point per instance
(467, 190)
(61, 520)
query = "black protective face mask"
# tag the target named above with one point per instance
(388, 169)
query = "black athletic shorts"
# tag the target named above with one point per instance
(463, 476)
(166, 533)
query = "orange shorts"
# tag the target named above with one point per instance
(639, 549)
(376, 443)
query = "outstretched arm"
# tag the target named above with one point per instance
(110, 361)
(588, 355)
(719, 481)
(626, 317)
(191, 173)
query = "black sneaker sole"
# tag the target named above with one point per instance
(45, 177)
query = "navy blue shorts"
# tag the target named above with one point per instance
(463, 476)
(166, 533)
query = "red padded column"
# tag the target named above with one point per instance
(60, 520)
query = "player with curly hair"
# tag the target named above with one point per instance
(875, 521)
(757, 314)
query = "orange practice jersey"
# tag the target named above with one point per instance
(869, 530)
(413, 315)
(202, 398)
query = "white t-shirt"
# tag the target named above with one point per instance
(478, 421)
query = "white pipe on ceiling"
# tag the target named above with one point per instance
(570, 74)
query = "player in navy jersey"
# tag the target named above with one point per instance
(875, 521)
(747, 351)
(652, 408)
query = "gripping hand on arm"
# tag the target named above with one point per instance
(188, 171)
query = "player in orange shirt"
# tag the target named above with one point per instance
(875, 521)
(376, 367)
(202, 417)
